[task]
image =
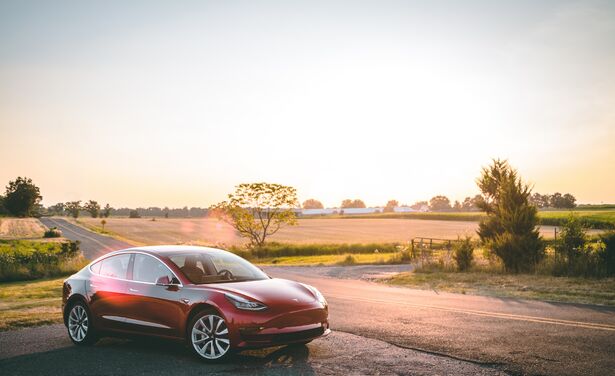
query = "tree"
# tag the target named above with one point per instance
(312, 204)
(57, 209)
(457, 206)
(510, 227)
(439, 203)
(73, 208)
(391, 204)
(92, 207)
(258, 210)
(106, 212)
(469, 203)
(540, 201)
(419, 205)
(569, 201)
(22, 197)
(134, 214)
(559, 201)
(103, 223)
(2, 208)
(348, 203)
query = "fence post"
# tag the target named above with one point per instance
(412, 248)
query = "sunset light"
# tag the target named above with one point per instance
(379, 101)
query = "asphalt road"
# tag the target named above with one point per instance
(93, 245)
(377, 330)
(528, 337)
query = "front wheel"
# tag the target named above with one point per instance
(209, 336)
(79, 324)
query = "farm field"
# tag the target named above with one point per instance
(209, 231)
(594, 218)
(20, 228)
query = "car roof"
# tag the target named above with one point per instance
(169, 250)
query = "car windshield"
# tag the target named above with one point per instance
(216, 267)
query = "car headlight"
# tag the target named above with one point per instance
(321, 299)
(243, 303)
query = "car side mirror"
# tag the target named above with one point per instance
(163, 281)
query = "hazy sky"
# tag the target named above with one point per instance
(174, 103)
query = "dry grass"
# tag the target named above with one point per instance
(30, 303)
(21, 228)
(525, 286)
(208, 231)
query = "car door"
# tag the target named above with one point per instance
(154, 309)
(108, 291)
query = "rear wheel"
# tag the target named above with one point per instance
(209, 336)
(79, 324)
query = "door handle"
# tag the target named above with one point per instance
(133, 290)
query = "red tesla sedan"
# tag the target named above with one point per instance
(216, 301)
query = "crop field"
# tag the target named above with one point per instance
(208, 231)
(595, 218)
(20, 228)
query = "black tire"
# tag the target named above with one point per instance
(79, 324)
(207, 335)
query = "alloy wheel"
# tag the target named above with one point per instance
(78, 323)
(210, 337)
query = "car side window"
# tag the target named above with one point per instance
(149, 269)
(115, 266)
(96, 267)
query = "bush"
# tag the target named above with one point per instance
(348, 260)
(464, 254)
(134, 214)
(571, 243)
(607, 253)
(22, 260)
(53, 232)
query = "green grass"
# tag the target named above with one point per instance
(358, 259)
(274, 249)
(31, 303)
(602, 218)
(525, 286)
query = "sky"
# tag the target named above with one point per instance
(173, 103)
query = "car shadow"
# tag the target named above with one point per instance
(136, 356)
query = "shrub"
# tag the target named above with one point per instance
(134, 214)
(348, 260)
(607, 253)
(464, 254)
(571, 243)
(22, 260)
(53, 232)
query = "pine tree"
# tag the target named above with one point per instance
(510, 228)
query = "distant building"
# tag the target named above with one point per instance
(403, 209)
(319, 211)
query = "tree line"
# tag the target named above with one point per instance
(441, 203)
(22, 199)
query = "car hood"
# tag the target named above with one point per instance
(270, 291)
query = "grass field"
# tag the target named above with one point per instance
(524, 286)
(30, 303)
(21, 228)
(208, 231)
(357, 259)
(595, 218)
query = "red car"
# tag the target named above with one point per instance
(216, 301)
